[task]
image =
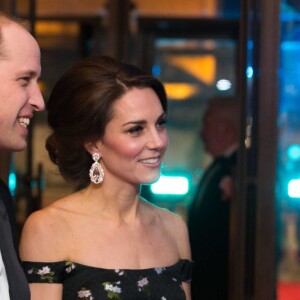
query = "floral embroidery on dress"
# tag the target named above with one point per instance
(159, 270)
(45, 273)
(119, 272)
(143, 286)
(85, 294)
(112, 289)
(161, 283)
(69, 266)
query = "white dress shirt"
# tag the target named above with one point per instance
(4, 289)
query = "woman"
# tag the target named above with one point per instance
(104, 241)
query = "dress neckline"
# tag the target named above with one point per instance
(180, 261)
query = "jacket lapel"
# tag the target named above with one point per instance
(18, 287)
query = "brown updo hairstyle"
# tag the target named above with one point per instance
(81, 105)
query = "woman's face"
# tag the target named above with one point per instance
(135, 139)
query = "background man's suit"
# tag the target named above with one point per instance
(18, 286)
(209, 233)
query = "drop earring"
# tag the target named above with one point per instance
(96, 171)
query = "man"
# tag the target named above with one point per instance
(209, 212)
(20, 96)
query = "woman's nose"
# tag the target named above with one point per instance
(158, 139)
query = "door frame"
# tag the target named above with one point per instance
(253, 271)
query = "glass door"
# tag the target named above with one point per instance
(288, 167)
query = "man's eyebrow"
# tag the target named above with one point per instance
(29, 73)
(34, 74)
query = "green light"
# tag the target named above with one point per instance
(171, 185)
(294, 188)
(12, 182)
(293, 151)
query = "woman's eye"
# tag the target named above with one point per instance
(161, 123)
(135, 129)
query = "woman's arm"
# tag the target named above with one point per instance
(185, 253)
(40, 243)
(45, 291)
(180, 232)
(187, 289)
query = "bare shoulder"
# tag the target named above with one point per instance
(176, 227)
(179, 230)
(172, 220)
(42, 222)
(43, 233)
(167, 217)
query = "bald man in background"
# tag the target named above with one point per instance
(209, 212)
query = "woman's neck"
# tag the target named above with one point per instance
(119, 204)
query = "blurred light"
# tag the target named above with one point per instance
(250, 45)
(290, 45)
(42, 86)
(202, 67)
(181, 91)
(294, 188)
(290, 166)
(55, 28)
(223, 85)
(171, 185)
(249, 72)
(293, 152)
(12, 182)
(156, 70)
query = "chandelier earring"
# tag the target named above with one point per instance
(96, 171)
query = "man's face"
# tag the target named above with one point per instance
(20, 95)
(212, 134)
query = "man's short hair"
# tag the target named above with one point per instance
(4, 21)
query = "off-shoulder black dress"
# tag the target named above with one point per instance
(92, 283)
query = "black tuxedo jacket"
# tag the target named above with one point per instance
(18, 286)
(208, 224)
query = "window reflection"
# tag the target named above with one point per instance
(288, 170)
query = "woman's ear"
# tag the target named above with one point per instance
(93, 147)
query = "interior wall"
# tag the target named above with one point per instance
(190, 8)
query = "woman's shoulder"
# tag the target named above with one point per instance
(171, 220)
(169, 217)
(175, 225)
(50, 216)
(44, 231)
